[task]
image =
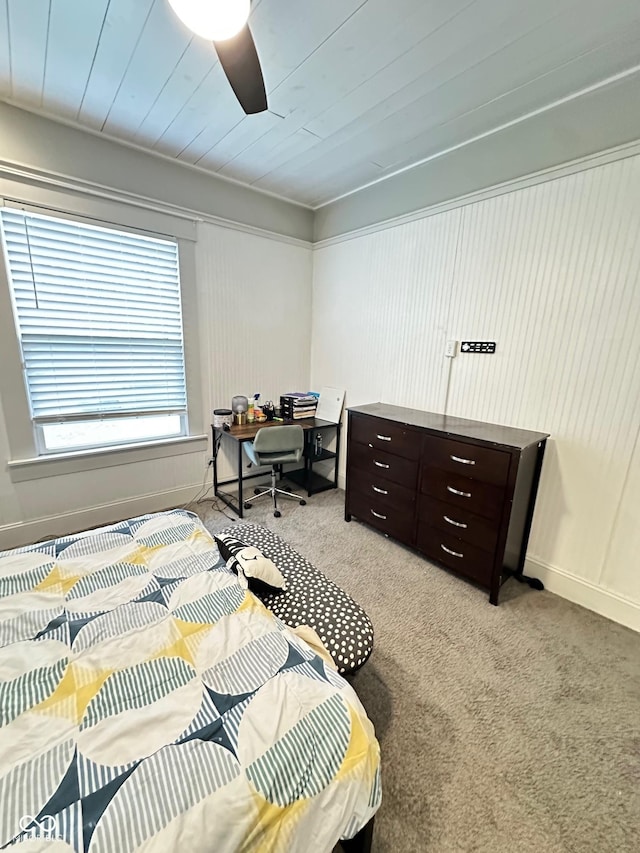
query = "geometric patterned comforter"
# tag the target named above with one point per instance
(148, 702)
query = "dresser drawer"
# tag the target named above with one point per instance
(462, 557)
(483, 499)
(379, 488)
(390, 466)
(396, 521)
(468, 460)
(459, 522)
(386, 435)
(459, 491)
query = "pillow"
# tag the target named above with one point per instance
(253, 569)
(228, 546)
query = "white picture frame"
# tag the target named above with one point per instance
(330, 405)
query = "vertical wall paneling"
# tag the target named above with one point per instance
(9, 508)
(547, 275)
(552, 274)
(379, 313)
(254, 297)
(621, 571)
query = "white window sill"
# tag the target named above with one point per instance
(55, 464)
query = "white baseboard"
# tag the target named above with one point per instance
(607, 603)
(614, 606)
(23, 533)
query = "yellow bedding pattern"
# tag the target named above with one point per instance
(148, 702)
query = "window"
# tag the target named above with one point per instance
(99, 321)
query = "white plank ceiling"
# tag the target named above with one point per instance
(358, 89)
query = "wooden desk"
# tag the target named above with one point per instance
(247, 432)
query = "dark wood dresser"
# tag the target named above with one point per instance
(461, 492)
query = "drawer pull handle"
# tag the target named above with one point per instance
(455, 523)
(460, 459)
(383, 437)
(377, 515)
(380, 491)
(458, 492)
(380, 464)
(449, 551)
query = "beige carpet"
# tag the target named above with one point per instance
(503, 730)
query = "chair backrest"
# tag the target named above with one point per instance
(279, 439)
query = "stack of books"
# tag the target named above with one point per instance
(298, 405)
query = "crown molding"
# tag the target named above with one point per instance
(580, 164)
(100, 134)
(25, 173)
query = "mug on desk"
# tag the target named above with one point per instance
(269, 410)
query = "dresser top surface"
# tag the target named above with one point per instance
(453, 426)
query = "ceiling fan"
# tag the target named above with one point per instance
(224, 22)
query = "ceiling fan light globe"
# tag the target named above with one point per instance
(214, 20)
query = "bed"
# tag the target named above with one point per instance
(149, 702)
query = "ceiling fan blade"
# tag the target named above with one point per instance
(239, 59)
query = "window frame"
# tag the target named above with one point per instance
(43, 450)
(27, 461)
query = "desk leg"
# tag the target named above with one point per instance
(215, 467)
(240, 498)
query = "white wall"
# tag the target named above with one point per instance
(254, 299)
(254, 295)
(551, 273)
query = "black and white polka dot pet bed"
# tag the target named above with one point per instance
(311, 599)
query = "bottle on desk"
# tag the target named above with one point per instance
(257, 411)
(250, 413)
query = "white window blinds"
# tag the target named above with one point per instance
(99, 318)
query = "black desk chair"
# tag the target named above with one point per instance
(275, 446)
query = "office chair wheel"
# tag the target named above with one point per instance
(257, 491)
(277, 514)
(247, 506)
(303, 503)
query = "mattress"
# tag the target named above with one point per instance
(148, 702)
